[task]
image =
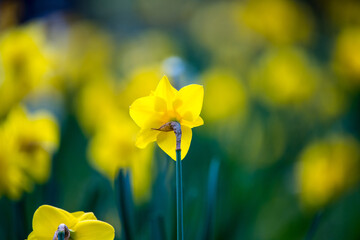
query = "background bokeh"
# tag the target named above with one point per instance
(277, 158)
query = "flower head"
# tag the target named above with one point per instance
(48, 221)
(24, 64)
(112, 148)
(165, 105)
(285, 77)
(327, 169)
(27, 144)
(346, 61)
(233, 95)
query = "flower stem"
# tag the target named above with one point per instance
(179, 196)
(176, 127)
(125, 203)
(211, 199)
(314, 225)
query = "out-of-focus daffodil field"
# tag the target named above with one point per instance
(278, 155)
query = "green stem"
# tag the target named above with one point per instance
(211, 199)
(314, 225)
(179, 196)
(125, 203)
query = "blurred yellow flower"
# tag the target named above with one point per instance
(29, 141)
(13, 181)
(96, 103)
(112, 148)
(80, 52)
(167, 104)
(80, 225)
(326, 169)
(347, 56)
(113, 134)
(284, 77)
(279, 21)
(36, 137)
(23, 63)
(225, 95)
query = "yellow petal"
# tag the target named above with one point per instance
(77, 214)
(93, 230)
(167, 142)
(145, 137)
(191, 101)
(47, 219)
(165, 91)
(87, 216)
(38, 165)
(191, 124)
(80, 215)
(147, 112)
(32, 236)
(47, 131)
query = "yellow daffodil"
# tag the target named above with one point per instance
(285, 77)
(80, 53)
(165, 105)
(112, 136)
(326, 169)
(36, 137)
(346, 57)
(77, 226)
(226, 95)
(99, 95)
(23, 63)
(27, 143)
(13, 181)
(112, 148)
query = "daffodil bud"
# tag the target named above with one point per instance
(62, 233)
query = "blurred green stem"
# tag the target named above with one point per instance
(211, 199)
(158, 228)
(179, 196)
(19, 218)
(125, 203)
(314, 225)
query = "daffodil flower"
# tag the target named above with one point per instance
(49, 222)
(27, 144)
(166, 105)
